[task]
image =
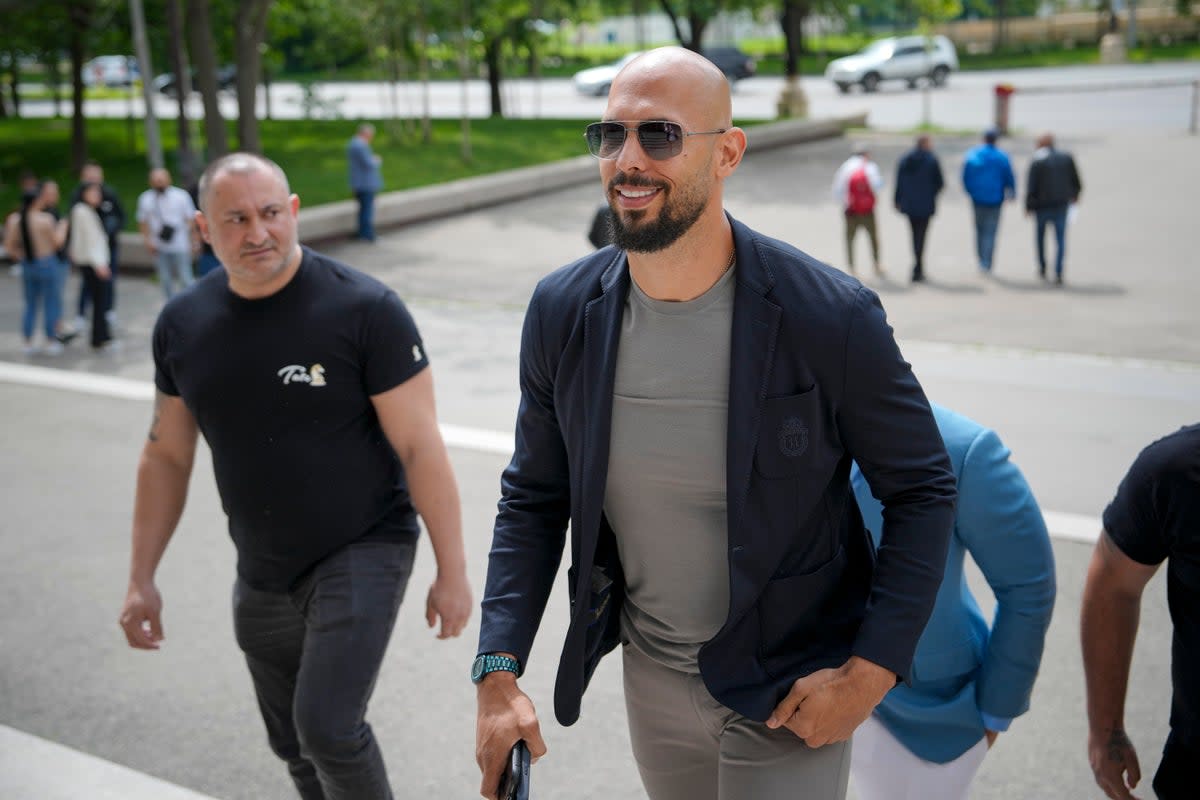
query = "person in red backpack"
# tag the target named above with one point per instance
(855, 186)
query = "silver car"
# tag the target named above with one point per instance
(904, 58)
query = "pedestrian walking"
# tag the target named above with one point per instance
(988, 178)
(166, 217)
(34, 237)
(855, 186)
(1052, 187)
(918, 182)
(89, 252)
(312, 388)
(112, 219)
(691, 400)
(366, 180)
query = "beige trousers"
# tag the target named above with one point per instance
(690, 747)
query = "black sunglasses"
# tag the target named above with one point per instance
(659, 139)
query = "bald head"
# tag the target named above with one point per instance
(1046, 140)
(672, 79)
(160, 178)
(240, 163)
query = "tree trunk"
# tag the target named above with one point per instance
(492, 58)
(81, 18)
(250, 28)
(141, 46)
(216, 137)
(792, 23)
(14, 71)
(697, 23)
(670, 12)
(185, 160)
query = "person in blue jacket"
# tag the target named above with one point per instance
(987, 175)
(918, 181)
(927, 738)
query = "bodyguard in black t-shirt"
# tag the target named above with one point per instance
(1155, 517)
(311, 386)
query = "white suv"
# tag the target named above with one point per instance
(904, 58)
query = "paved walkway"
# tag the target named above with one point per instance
(1076, 381)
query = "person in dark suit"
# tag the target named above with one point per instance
(1052, 188)
(692, 397)
(918, 181)
(970, 680)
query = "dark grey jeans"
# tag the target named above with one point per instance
(314, 654)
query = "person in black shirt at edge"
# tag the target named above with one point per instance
(1155, 517)
(311, 386)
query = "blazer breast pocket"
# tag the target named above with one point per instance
(787, 433)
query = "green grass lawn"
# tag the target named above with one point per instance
(311, 152)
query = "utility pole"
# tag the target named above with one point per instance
(154, 151)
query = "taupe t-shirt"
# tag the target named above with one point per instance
(665, 497)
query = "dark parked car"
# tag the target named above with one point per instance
(732, 61)
(226, 81)
(596, 80)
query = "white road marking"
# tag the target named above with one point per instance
(32, 768)
(1062, 525)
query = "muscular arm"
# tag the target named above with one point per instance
(408, 416)
(162, 482)
(1108, 625)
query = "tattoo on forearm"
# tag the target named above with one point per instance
(158, 400)
(1118, 745)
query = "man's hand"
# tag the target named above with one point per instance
(991, 737)
(141, 616)
(827, 706)
(1114, 763)
(102, 271)
(449, 598)
(505, 715)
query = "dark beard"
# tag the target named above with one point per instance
(673, 221)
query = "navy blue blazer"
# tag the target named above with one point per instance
(816, 381)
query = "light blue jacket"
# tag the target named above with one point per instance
(987, 175)
(364, 169)
(966, 678)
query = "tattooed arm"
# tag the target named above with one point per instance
(162, 482)
(1109, 621)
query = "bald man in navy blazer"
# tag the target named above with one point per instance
(786, 371)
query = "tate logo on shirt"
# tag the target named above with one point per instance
(298, 373)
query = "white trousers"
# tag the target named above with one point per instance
(881, 768)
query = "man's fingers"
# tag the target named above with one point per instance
(1133, 770)
(788, 705)
(138, 634)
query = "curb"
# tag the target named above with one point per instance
(393, 209)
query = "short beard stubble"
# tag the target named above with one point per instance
(640, 235)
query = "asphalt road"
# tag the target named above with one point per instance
(966, 103)
(1076, 381)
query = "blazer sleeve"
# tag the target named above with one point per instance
(1002, 528)
(534, 509)
(887, 426)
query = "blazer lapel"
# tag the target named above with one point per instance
(752, 351)
(601, 337)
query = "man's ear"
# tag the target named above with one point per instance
(730, 151)
(202, 226)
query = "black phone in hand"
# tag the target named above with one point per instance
(514, 785)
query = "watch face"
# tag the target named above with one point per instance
(477, 669)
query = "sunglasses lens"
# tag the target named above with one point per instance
(605, 138)
(660, 139)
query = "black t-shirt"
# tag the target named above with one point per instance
(1156, 516)
(280, 387)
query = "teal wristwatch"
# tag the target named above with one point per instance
(486, 662)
